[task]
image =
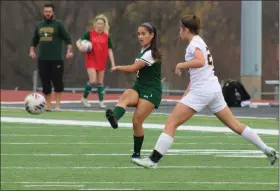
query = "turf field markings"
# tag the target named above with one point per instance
(125, 125)
(155, 182)
(110, 189)
(53, 185)
(116, 136)
(154, 113)
(100, 143)
(136, 167)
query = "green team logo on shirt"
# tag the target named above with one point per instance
(46, 33)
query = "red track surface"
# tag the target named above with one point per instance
(14, 96)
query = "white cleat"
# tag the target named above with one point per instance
(145, 162)
(85, 102)
(271, 154)
(102, 105)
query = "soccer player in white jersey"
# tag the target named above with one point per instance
(203, 91)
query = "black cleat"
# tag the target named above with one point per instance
(111, 118)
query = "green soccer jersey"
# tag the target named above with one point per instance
(50, 36)
(149, 75)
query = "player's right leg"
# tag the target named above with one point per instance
(89, 85)
(45, 69)
(128, 99)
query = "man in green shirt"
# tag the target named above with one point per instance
(51, 34)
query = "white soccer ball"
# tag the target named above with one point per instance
(35, 103)
(86, 45)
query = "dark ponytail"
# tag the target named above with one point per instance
(192, 22)
(152, 29)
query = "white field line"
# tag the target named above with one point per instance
(113, 101)
(154, 113)
(125, 125)
(117, 136)
(174, 182)
(171, 152)
(100, 143)
(52, 185)
(137, 167)
(110, 189)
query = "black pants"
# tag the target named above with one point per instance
(51, 71)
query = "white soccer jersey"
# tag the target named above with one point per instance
(202, 80)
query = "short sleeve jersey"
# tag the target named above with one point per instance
(202, 80)
(149, 75)
(97, 57)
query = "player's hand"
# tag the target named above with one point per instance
(82, 49)
(178, 72)
(32, 54)
(114, 68)
(69, 55)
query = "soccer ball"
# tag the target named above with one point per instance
(34, 103)
(86, 45)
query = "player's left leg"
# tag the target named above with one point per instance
(224, 114)
(143, 110)
(57, 80)
(100, 87)
(128, 99)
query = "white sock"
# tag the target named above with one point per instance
(253, 137)
(164, 143)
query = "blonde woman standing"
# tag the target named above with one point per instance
(96, 59)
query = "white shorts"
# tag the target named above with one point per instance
(197, 101)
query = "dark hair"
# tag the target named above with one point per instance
(152, 29)
(191, 22)
(49, 5)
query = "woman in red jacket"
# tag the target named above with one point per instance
(96, 59)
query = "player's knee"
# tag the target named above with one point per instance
(137, 123)
(93, 82)
(47, 89)
(59, 87)
(99, 84)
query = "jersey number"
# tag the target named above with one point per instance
(209, 57)
(137, 74)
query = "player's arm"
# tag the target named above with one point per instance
(131, 68)
(85, 36)
(34, 43)
(197, 62)
(110, 52)
(65, 35)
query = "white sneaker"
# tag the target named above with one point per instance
(57, 109)
(271, 154)
(102, 105)
(85, 102)
(145, 162)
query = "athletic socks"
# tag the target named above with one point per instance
(118, 112)
(138, 141)
(100, 91)
(87, 90)
(252, 136)
(162, 146)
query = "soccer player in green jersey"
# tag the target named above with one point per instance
(146, 92)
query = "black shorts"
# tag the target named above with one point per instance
(51, 72)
